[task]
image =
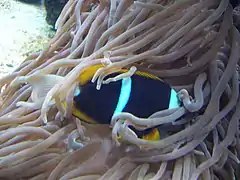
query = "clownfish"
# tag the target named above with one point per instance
(142, 94)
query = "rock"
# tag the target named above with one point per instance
(236, 17)
(32, 1)
(53, 8)
(234, 3)
(9, 65)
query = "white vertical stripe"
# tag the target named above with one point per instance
(124, 95)
(173, 102)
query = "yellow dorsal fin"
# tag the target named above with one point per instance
(148, 75)
(140, 73)
(89, 72)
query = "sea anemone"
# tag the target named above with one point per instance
(191, 44)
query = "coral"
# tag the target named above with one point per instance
(53, 9)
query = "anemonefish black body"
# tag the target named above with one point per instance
(141, 94)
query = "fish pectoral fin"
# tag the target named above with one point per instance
(152, 136)
(82, 116)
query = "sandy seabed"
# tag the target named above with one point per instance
(23, 30)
